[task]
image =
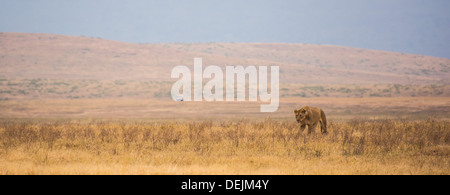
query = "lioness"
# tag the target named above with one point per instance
(311, 116)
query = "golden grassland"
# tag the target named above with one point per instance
(224, 147)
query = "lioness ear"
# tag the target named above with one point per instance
(302, 110)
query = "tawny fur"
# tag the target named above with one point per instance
(311, 116)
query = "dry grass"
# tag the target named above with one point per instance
(226, 147)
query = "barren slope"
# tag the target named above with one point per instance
(26, 56)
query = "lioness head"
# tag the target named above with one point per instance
(301, 114)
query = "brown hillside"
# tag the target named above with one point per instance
(29, 56)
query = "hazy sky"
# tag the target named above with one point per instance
(409, 26)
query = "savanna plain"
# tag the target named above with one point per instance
(80, 105)
(231, 145)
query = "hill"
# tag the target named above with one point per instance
(48, 56)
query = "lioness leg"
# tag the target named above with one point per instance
(323, 127)
(323, 122)
(302, 127)
(311, 128)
